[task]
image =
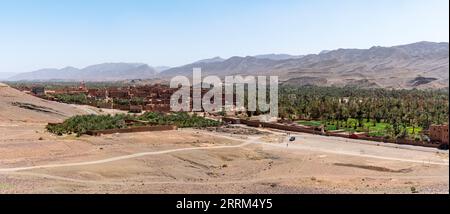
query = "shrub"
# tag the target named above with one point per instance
(72, 99)
(81, 124)
(181, 119)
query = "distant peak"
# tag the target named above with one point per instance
(69, 68)
(324, 52)
(278, 56)
(211, 60)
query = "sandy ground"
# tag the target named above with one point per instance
(200, 161)
(16, 106)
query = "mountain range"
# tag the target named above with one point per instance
(6, 75)
(417, 65)
(100, 72)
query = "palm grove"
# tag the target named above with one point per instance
(390, 113)
(380, 112)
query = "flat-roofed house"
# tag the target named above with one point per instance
(439, 133)
(38, 90)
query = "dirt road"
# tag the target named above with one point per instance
(196, 161)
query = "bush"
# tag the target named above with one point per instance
(72, 98)
(81, 124)
(123, 102)
(182, 120)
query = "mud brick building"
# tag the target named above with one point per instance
(439, 133)
(98, 93)
(119, 94)
(38, 90)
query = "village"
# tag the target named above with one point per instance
(156, 98)
(153, 152)
(135, 99)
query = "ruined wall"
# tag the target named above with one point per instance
(439, 133)
(133, 129)
(294, 128)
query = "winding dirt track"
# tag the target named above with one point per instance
(120, 158)
(251, 140)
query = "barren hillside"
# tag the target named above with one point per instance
(16, 106)
(417, 65)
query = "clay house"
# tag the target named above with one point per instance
(119, 94)
(98, 93)
(38, 90)
(136, 109)
(162, 108)
(140, 94)
(439, 133)
(92, 93)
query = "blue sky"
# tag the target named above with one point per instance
(57, 33)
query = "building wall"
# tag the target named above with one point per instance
(133, 129)
(439, 133)
(38, 90)
(444, 134)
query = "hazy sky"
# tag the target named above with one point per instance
(57, 33)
